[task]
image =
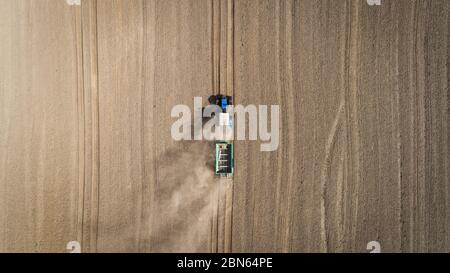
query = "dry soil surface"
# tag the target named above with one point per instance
(86, 153)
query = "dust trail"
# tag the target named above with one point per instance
(186, 199)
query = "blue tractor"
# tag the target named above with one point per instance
(224, 163)
(222, 101)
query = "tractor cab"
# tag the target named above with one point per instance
(222, 101)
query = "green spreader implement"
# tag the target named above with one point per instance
(224, 159)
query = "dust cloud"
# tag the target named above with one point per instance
(186, 199)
